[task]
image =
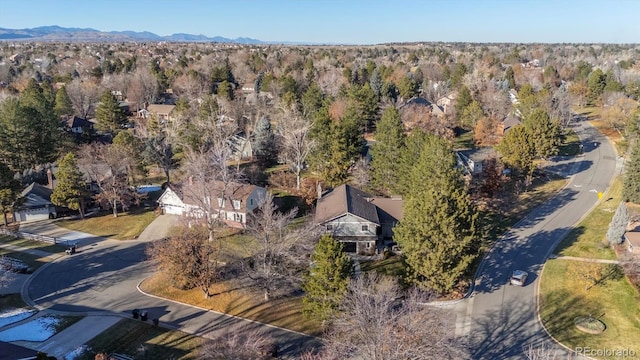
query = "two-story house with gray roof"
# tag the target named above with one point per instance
(361, 221)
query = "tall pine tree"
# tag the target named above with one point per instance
(438, 231)
(631, 183)
(327, 281)
(109, 114)
(387, 151)
(264, 144)
(70, 190)
(63, 105)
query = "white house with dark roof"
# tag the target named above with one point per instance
(358, 219)
(231, 206)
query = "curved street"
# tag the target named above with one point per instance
(103, 277)
(501, 319)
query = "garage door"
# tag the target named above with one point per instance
(173, 210)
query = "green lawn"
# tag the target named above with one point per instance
(124, 227)
(615, 302)
(392, 266)
(142, 340)
(588, 238)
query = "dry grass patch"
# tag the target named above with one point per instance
(143, 341)
(284, 312)
(588, 238)
(124, 227)
(614, 301)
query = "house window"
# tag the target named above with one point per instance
(365, 228)
(329, 227)
(220, 202)
(236, 204)
(368, 245)
(251, 201)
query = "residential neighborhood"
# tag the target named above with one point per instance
(198, 199)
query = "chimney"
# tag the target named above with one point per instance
(49, 179)
(319, 189)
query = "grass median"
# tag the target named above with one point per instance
(283, 312)
(572, 288)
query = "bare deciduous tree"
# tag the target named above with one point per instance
(378, 322)
(83, 95)
(143, 87)
(278, 255)
(244, 345)
(107, 166)
(295, 143)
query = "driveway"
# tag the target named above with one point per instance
(502, 319)
(102, 278)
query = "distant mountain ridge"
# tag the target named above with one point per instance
(58, 33)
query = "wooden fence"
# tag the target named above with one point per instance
(25, 235)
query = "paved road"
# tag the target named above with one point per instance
(103, 276)
(502, 319)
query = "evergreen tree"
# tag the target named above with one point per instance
(408, 88)
(596, 83)
(631, 184)
(463, 100)
(109, 114)
(63, 105)
(312, 100)
(264, 145)
(9, 190)
(509, 76)
(414, 146)
(518, 150)
(618, 225)
(545, 131)
(387, 150)
(70, 190)
(364, 104)
(337, 146)
(327, 281)
(438, 231)
(376, 83)
(225, 90)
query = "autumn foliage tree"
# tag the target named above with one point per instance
(187, 258)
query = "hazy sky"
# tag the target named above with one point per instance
(345, 21)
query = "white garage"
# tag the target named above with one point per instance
(170, 203)
(37, 204)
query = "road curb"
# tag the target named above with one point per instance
(222, 314)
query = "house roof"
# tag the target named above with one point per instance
(190, 193)
(633, 237)
(511, 121)
(9, 351)
(76, 122)
(160, 109)
(35, 191)
(390, 210)
(346, 199)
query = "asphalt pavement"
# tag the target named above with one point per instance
(501, 319)
(102, 279)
